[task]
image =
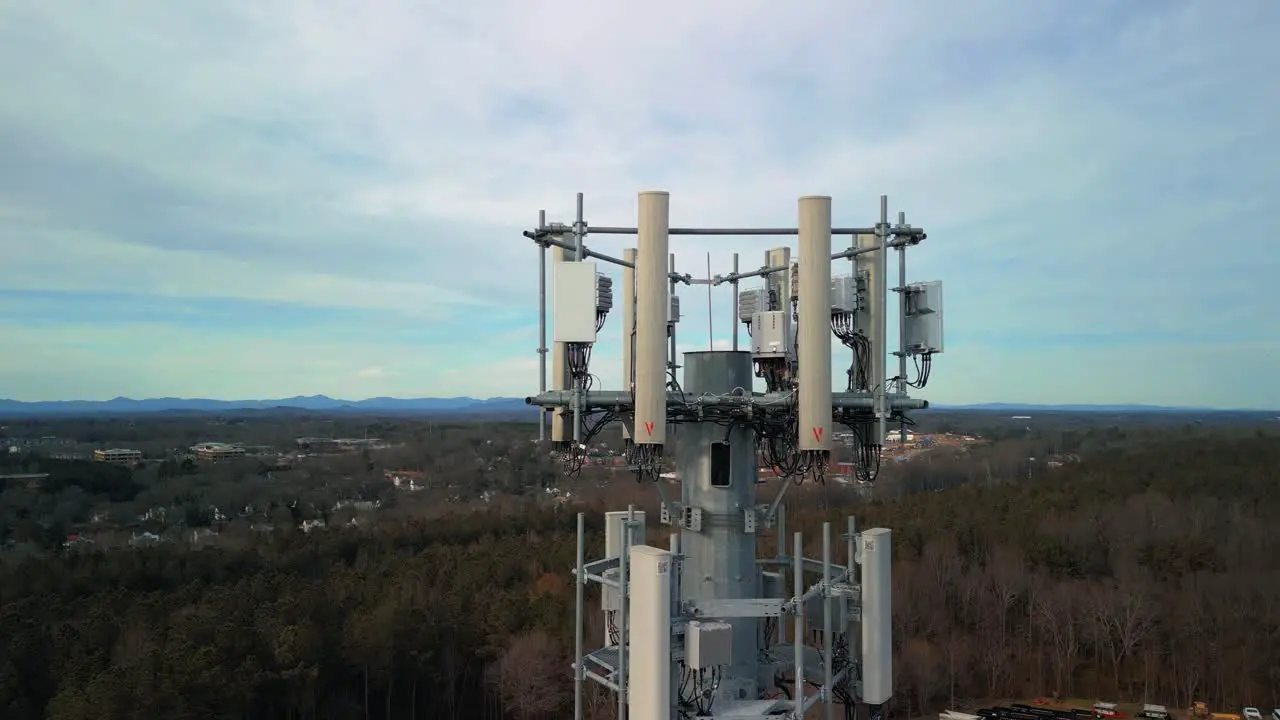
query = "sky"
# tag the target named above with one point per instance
(260, 200)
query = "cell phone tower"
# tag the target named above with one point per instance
(705, 628)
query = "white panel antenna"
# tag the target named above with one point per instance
(772, 335)
(922, 322)
(750, 302)
(604, 294)
(877, 615)
(649, 660)
(574, 301)
(844, 295)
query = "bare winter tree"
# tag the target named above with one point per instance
(526, 674)
(1005, 579)
(1057, 615)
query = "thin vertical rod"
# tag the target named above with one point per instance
(579, 230)
(902, 326)
(782, 553)
(853, 272)
(828, 706)
(580, 581)
(711, 328)
(735, 303)
(674, 545)
(542, 326)
(676, 569)
(624, 627)
(882, 230)
(853, 641)
(798, 641)
(671, 326)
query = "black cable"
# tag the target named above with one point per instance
(924, 365)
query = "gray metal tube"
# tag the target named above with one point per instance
(853, 637)
(624, 627)
(902, 324)
(672, 360)
(769, 270)
(542, 326)
(736, 319)
(782, 559)
(798, 641)
(617, 399)
(711, 328)
(586, 251)
(676, 572)
(851, 381)
(579, 582)
(854, 252)
(782, 532)
(719, 561)
(621, 262)
(882, 391)
(602, 680)
(603, 230)
(578, 383)
(579, 232)
(629, 336)
(828, 708)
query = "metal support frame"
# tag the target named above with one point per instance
(881, 387)
(579, 232)
(620, 400)
(836, 582)
(901, 290)
(542, 236)
(542, 326)
(608, 666)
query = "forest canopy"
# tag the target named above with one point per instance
(1140, 574)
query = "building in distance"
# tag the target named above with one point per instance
(118, 456)
(216, 451)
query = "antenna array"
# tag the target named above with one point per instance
(698, 630)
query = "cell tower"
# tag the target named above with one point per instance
(700, 629)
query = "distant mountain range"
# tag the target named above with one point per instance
(312, 403)
(450, 406)
(1021, 408)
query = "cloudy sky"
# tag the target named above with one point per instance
(265, 199)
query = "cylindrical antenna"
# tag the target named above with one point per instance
(652, 306)
(814, 332)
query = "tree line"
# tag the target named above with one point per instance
(1142, 574)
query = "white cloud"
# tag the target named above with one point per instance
(158, 360)
(1102, 169)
